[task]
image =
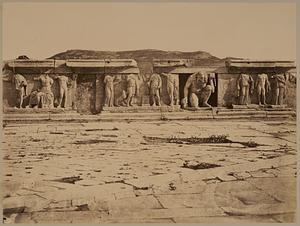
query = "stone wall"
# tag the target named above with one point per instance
(85, 94)
(291, 95)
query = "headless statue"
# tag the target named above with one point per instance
(262, 87)
(63, 90)
(132, 89)
(109, 91)
(244, 87)
(155, 84)
(279, 88)
(20, 85)
(172, 88)
(44, 94)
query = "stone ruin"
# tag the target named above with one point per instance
(92, 86)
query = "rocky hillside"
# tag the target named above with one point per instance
(143, 57)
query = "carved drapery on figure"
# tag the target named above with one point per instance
(245, 87)
(279, 88)
(109, 91)
(43, 96)
(198, 88)
(132, 89)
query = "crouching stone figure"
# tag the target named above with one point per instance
(198, 88)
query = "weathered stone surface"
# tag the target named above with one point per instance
(286, 217)
(139, 181)
(225, 219)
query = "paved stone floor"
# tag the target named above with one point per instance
(109, 173)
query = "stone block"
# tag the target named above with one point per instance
(226, 219)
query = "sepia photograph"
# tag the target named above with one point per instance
(148, 112)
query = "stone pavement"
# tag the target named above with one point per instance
(107, 172)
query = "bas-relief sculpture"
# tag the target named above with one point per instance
(172, 88)
(262, 86)
(43, 95)
(276, 86)
(109, 91)
(128, 94)
(245, 87)
(279, 88)
(198, 88)
(63, 90)
(155, 85)
(20, 85)
(132, 89)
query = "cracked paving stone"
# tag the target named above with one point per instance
(136, 187)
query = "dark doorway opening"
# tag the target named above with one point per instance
(213, 100)
(182, 80)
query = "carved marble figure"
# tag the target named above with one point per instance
(20, 85)
(198, 88)
(63, 90)
(44, 94)
(279, 88)
(172, 88)
(245, 87)
(262, 87)
(132, 89)
(155, 84)
(109, 91)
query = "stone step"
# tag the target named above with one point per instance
(117, 116)
(239, 112)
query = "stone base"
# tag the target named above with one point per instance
(277, 106)
(248, 106)
(197, 109)
(144, 108)
(37, 110)
(256, 106)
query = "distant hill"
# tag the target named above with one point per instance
(143, 57)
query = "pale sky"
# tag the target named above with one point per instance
(254, 31)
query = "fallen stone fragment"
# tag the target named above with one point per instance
(70, 180)
(94, 141)
(212, 180)
(196, 165)
(56, 133)
(83, 207)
